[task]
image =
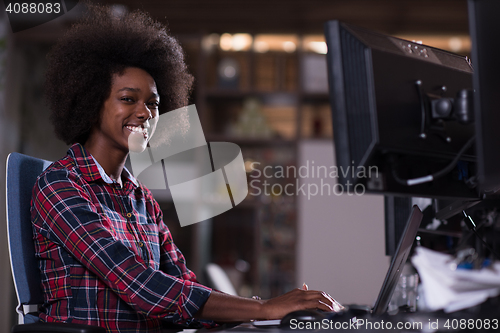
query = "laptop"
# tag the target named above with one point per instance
(398, 261)
(393, 274)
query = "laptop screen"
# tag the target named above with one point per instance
(398, 261)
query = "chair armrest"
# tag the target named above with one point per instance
(57, 328)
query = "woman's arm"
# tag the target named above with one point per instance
(225, 308)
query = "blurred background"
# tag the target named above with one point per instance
(260, 82)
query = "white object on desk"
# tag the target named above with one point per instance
(220, 280)
(453, 290)
(266, 323)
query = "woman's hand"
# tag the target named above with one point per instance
(226, 308)
(299, 299)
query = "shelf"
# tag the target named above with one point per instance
(237, 94)
(250, 141)
(313, 97)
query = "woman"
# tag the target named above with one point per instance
(106, 256)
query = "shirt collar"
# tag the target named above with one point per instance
(91, 169)
(108, 179)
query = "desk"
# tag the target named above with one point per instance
(481, 318)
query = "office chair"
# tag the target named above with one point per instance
(22, 172)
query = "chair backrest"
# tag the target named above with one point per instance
(22, 172)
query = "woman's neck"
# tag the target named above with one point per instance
(112, 161)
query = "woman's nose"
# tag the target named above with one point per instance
(144, 112)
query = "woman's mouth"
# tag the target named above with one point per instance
(138, 130)
(138, 138)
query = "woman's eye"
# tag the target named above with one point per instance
(154, 104)
(127, 99)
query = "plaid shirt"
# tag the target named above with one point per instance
(106, 256)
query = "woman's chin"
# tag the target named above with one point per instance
(137, 143)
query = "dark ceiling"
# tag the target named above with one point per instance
(393, 17)
(388, 16)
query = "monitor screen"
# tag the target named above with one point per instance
(402, 115)
(484, 27)
(401, 254)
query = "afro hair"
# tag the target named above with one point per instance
(103, 43)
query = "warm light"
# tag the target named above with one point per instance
(289, 46)
(261, 46)
(226, 42)
(318, 47)
(268, 42)
(241, 42)
(249, 166)
(455, 44)
(210, 41)
(236, 42)
(314, 43)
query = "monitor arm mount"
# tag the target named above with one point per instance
(437, 109)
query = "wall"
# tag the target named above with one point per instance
(9, 139)
(341, 245)
(24, 128)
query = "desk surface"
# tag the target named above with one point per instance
(482, 318)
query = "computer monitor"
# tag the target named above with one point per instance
(484, 27)
(401, 114)
(396, 212)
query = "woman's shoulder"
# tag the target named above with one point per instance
(61, 171)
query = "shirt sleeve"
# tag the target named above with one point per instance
(63, 211)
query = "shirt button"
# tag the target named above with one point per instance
(129, 215)
(141, 244)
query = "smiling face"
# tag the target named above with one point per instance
(128, 115)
